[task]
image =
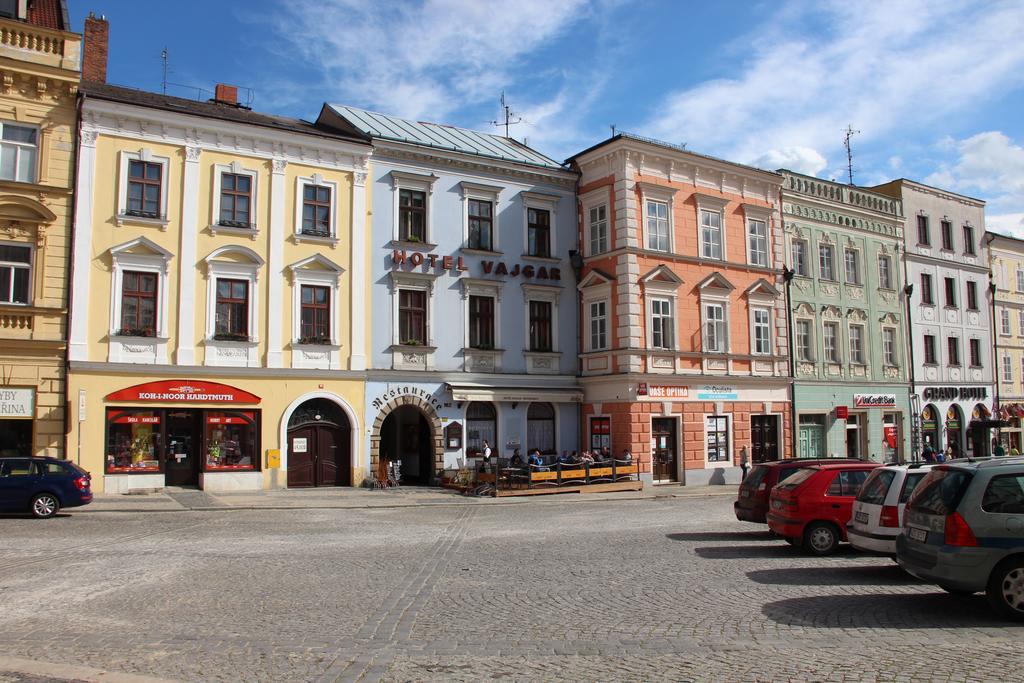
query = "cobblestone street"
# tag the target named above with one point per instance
(662, 589)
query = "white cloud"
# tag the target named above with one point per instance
(883, 67)
(799, 159)
(1008, 224)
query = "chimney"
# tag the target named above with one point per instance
(94, 55)
(226, 94)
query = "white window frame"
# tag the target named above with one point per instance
(730, 444)
(806, 271)
(1020, 323)
(486, 288)
(857, 280)
(832, 261)
(1020, 279)
(328, 275)
(125, 258)
(860, 356)
(415, 281)
(470, 191)
(706, 324)
(594, 293)
(890, 357)
(589, 201)
(668, 302)
(144, 154)
(890, 285)
(542, 202)
(757, 214)
(235, 168)
(970, 360)
(837, 355)
(315, 179)
(650, 192)
(809, 356)
(233, 270)
(649, 233)
(597, 230)
(754, 325)
(1008, 368)
(1004, 322)
(602, 318)
(19, 146)
(14, 265)
(711, 204)
(541, 293)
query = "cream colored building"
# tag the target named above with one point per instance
(39, 76)
(1006, 256)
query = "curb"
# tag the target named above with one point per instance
(71, 673)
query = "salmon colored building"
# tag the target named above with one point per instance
(684, 335)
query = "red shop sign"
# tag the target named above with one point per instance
(137, 419)
(183, 391)
(229, 419)
(842, 412)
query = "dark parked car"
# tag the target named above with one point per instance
(752, 501)
(42, 486)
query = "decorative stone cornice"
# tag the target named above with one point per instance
(842, 220)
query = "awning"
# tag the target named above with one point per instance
(467, 392)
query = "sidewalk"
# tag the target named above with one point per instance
(181, 500)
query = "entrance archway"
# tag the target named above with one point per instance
(954, 430)
(319, 445)
(425, 429)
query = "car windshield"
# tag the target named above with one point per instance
(796, 478)
(909, 484)
(940, 492)
(876, 487)
(755, 477)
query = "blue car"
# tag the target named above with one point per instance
(42, 486)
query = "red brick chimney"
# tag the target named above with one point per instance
(225, 94)
(94, 49)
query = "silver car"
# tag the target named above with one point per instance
(963, 529)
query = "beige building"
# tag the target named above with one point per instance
(1006, 256)
(39, 77)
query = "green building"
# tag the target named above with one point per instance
(851, 393)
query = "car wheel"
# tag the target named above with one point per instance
(956, 591)
(821, 538)
(45, 505)
(1006, 589)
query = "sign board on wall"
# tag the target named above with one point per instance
(874, 400)
(657, 391)
(300, 445)
(842, 412)
(711, 392)
(17, 403)
(183, 391)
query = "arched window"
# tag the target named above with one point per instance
(954, 430)
(980, 412)
(540, 428)
(481, 425)
(930, 427)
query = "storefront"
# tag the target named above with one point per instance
(17, 409)
(947, 414)
(853, 422)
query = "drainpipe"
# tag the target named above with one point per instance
(787, 277)
(996, 378)
(70, 270)
(908, 293)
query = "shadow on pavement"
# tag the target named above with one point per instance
(863, 575)
(744, 552)
(884, 610)
(722, 536)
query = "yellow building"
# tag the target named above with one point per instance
(219, 295)
(39, 75)
(1006, 256)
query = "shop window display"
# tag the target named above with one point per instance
(133, 441)
(230, 441)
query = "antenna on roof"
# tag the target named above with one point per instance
(849, 155)
(163, 58)
(511, 118)
(613, 130)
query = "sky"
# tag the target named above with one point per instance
(934, 88)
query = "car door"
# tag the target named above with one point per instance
(840, 495)
(18, 481)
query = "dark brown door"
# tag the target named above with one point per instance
(663, 434)
(183, 448)
(302, 457)
(318, 455)
(764, 438)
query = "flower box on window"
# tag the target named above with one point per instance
(136, 332)
(231, 336)
(244, 225)
(318, 341)
(312, 232)
(142, 214)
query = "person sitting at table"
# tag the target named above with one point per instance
(536, 462)
(626, 455)
(587, 458)
(517, 460)
(574, 458)
(564, 458)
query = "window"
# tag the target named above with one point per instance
(538, 227)
(851, 259)
(757, 234)
(885, 272)
(947, 235)
(857, 344)
(716, 432)
(714, 328)
(831, 340)
(812, 437)
(1004, 495)
(889, 346)
(803, 340)
(235, 200)
(316, 210)
(972, 295)
(800, 258)
(481, 425)
(950, 284)
(927, 293)
(846, 483)
(18, 149)
(929, 349)
(232, 323)
(138, 304)
(953, 350)
(144, 188)
(412, 317)
(481, 224)
(711, 234)
(762, 331)
(975, 350)
(598, 325)
(1020, 323)
(540, 326)
(969, 247)
(600, 433)
(133, 440)
(481, 322)
(315, 322)
(826, 262)
(598, 229)
(412, 215)
(1020, 280)
(657, 226)
(1004, 322)
(15, 273)
(661, 324)
(230, 441)
(924, 237)
(540, 428)
(1008, 368)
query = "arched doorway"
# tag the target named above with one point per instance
(319, 445)
(406, 437)
(930, 427)
(979, 414)
(954, 430)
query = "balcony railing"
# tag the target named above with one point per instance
(41, 45)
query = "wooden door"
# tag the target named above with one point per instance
(302, 457)
(184, 448)
(663, 442)
(331, 469)
(764, 438)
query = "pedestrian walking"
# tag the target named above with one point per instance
(928, 454)
(744, 462)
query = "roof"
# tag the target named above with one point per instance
(918, 183)
(215, 110)
(48, 14)
(440, 136)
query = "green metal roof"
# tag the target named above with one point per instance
(440, 136)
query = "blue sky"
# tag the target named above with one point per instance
(934, 87)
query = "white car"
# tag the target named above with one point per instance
(877, 517)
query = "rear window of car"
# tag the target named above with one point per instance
(756, 476)
(876, 486)
(1004, 495)
(53, 468)
(909, 484)
(16, 468)
(787, 472)
(847, 483)
(940, 492)
(796, 478)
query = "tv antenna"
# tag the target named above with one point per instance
(163, 58)
(850, 132)
(511, 117)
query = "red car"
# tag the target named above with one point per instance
(813, 507)
(752, 501)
